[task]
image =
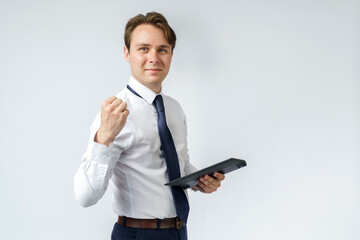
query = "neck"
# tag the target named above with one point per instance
(156, 88)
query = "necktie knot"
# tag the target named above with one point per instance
(159, 103)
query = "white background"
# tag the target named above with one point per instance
(273, 82)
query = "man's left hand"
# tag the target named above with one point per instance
(209, 184)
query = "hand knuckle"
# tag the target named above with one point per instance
(108, 108)
(104, 104)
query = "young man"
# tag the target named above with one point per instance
(137, 147)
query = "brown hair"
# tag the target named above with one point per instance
(153, 18)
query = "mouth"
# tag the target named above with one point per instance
(154, 70)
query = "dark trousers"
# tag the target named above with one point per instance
(126, 233)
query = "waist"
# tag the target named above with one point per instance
(175, 222)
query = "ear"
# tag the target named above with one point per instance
(126, 54)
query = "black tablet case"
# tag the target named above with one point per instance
(223, 167)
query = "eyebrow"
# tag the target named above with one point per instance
(165, 46)
(148, 45)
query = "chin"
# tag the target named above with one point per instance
(155, 80)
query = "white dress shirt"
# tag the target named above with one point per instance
(133, 161)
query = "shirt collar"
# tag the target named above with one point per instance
(145, 92)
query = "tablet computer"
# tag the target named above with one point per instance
(224, 167)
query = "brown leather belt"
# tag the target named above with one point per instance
(151, 223)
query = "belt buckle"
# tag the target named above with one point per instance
(177, 223)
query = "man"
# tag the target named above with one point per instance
(137, 147)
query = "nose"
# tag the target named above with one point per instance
(153, 57)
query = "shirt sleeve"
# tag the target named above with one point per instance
(188, 167)
(96, 167)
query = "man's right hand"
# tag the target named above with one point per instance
(113, 119)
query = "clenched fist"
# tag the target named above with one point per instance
(113, 119)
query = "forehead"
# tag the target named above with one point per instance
(148, 34)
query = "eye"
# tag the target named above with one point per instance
(143, 49)
(162, 50)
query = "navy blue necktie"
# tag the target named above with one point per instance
(171, 159)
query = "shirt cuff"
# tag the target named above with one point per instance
(101, 153)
